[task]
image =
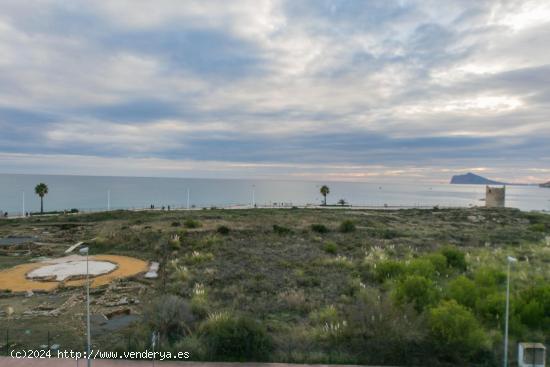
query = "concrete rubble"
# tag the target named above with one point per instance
(153, 271)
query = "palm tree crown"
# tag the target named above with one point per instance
(41, 190)
(325, 191)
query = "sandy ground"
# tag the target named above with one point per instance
(10, 362)
(15, 279)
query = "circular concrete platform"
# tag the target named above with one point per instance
(71, 270)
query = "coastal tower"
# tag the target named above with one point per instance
(495, 197)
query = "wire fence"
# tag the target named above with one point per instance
(37, 339)
(50, 339)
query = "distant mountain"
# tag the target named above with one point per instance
(545, 184)
(473, 179)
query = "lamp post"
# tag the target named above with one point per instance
(253, 196)
(155, 337)
(510, 260)
(86, 251)
(9, 312)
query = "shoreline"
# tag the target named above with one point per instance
(260, 207)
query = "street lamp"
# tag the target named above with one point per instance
(510, 260)
(85, 250)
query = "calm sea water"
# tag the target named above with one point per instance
(90, 193)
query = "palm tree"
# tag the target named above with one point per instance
(325, 191)
(41, 190)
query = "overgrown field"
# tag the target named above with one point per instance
(405, 287)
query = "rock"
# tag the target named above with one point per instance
(45, 308)
(29, 294)
(475, 218)
(153, 271)
(121, 311)
(52, 313)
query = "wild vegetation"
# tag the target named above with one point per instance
(406, 287)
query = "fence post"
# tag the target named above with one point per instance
(48, 340)
(7, 342)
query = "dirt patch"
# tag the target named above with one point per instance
(15, 279)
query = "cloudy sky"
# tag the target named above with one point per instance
(300, 89)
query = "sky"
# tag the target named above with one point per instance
(350, 90)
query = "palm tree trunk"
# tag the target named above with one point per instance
(41, 205)
(325, 199)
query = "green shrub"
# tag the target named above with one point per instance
(223, 230)
(193, 345)
(531, 313)
(464, 291)
(389, 269)
(191, 223)
(339, 261)
(235, 339)
(319, 228)
(455, 258)
(533, 306)
(295, 300)
(171, 316)
(418, 290)
(538, 227)
(197, 257)
(327, 314)
(177, 272)
(422, 267)
(281, 230)
(347, 226)
(210, 240)
(200, 306)
(456, 333)
(383, 333)
(490, 278)
(491, 307)
(386, 233)
(176, 224)
(330, 248)
(439, 262)
(175, 242)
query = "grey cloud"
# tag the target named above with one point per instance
(347, 82)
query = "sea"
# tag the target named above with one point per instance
(98, 193)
